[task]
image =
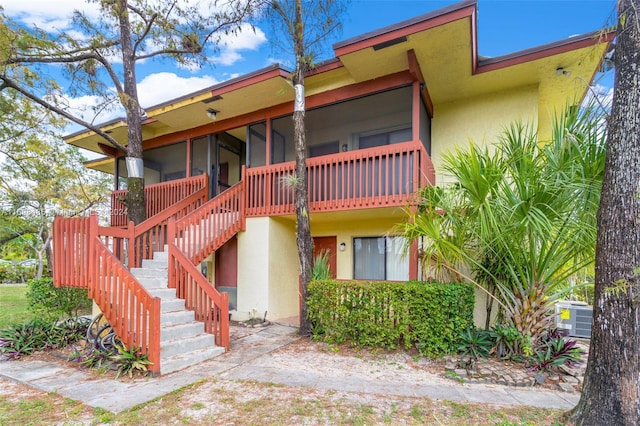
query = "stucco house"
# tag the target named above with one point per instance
(221, 216)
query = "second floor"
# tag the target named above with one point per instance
(379, 116)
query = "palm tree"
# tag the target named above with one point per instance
(520, 218)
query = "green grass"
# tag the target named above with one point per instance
(13, 304)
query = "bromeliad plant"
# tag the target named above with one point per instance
(553, 350)
(510, 344)
(23, 339)
(520, 217)
(131, 361)
(475, 344)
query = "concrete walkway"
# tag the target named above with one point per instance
(252, 357)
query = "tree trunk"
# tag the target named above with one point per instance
(46, 248)
(135, 180)
(303, 230)
(611, 390)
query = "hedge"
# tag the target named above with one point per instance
(430, 316)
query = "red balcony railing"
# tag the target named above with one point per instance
(375, 177)
(158, 197)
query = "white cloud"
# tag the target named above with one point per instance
(247, 39)
(226, 57)
(163, 86)
(602, 95)
(285, 63)
(48, 14)
(152, 90)
(231, 45)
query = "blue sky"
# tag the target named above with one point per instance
(504, 26)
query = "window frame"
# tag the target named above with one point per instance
(387, 243)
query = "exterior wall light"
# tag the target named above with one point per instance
(212, 113)
(343, 246)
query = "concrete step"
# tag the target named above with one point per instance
(171, 304)
(178, 331)
(150, 273)
(154, 263)
(162, 255)
(152, 282)
(188, 359)
(163, 293)
(176, 317)
(186, 344)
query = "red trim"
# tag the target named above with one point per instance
(189, 157)
(540, 52)
(416, 73)
(413, 261)
(415, 111)
(249, 80)
(108, 149)
(329, 65)
(267, 147)
(474, 41)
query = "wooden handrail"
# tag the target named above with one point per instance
(81, 259)
(71, 248)
(203, 231)
(158, 197)
(151, 235)
(192, 239)
(209, 305)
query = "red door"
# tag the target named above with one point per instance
(328, 244)
(227, 264)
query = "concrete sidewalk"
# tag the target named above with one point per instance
(254, 356)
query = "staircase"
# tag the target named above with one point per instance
(183, 341)
(165, 307)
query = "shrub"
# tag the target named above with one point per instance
(388, 314)
(510, 343)
(51, 302)
(13, 272)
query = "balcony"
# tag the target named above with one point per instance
(370, 178)
(384, 176)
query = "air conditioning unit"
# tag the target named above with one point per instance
(574, 317)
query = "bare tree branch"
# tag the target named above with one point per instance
(8, 83)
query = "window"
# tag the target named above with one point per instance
(380, 258)
(369, 139)
(324, 149)
(257, 144)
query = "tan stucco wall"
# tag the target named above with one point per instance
(267, 269)
(253, 262)
(283, 270)
(481, 119)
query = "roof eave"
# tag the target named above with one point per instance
(546, 50)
